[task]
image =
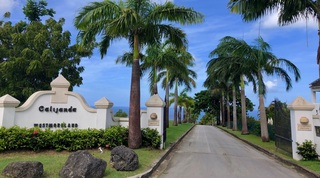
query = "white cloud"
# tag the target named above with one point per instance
(7, 6)
(271, 21)
(161, 1)
(271, 84)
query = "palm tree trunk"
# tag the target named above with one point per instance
(263, 120)
(175, 123)
(228, 113)
(135, 138)
(244, 129)
(179, 115)
(155, 86)
(167, 99)
(223, 118)
(262, 110)
(234, 113)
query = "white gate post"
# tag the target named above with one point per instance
(8, 106)
(301, 123)
(155, 106)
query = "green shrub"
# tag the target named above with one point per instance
(115, 136)
(150, 138)
(36, 139)
(307, 150)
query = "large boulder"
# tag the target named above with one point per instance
(28, 169)
(83, 164)
(124, 159)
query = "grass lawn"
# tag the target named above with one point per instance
(270, 146)
(53, 161)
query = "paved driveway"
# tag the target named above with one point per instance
(209, 152)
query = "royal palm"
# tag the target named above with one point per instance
(229, 62)
(262, 62)
(141, 22)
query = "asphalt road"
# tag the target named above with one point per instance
(209, 152)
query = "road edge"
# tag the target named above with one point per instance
(161, 158)
(285, 161)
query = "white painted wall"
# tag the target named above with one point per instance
(31, 115)
(52, 108)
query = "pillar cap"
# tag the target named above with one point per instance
(155, 101)
(301, 104)
(103, 103)
(8, 101)
(60, 82)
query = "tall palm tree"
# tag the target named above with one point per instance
(141, 23)
(178, 79)
(229, 62)
(290, 11)
(182, 60)
(264, 62)
(155, 61)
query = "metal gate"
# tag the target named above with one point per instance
(282, 126)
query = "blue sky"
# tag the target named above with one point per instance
(103, 78)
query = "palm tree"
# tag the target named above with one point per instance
(158, 57)
(290, 11)
(178, 79)
(182, 60)
(229, 62)
(155, 61)
(188, 104)
(264, 62)
(141, 23)
(183, 76)
(184, 101)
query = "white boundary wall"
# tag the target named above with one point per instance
(60, 108)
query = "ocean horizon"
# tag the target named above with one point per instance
(126, 109)
(254, 113)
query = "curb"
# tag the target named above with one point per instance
(157, 163)
(299, 168)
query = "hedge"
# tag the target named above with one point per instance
(36, 139)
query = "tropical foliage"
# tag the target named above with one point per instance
(236, 59)
(289, 11)
(141, 23)
(33, 54)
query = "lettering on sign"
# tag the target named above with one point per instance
(56, 125)
(57, 110)
(304, 127)
(153, 122)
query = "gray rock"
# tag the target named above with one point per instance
(124, 159)
(83, 164)
(28, 169)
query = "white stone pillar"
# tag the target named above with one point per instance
(104, 116)
(155, 106)
(302, 127)
(8, 106)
